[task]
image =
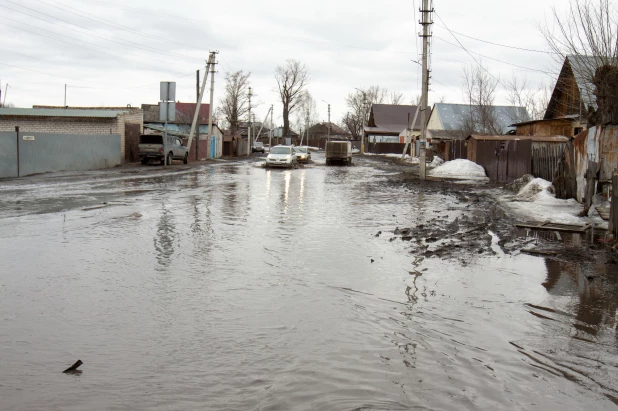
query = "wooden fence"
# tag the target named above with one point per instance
(546, 159)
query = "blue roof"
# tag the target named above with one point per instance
(452, 115)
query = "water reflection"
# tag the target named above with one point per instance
(165, 238)
(595, 285)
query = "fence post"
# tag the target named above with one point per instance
(17, 140)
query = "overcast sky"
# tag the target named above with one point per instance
(114, 53)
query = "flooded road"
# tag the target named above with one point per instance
(231, 287)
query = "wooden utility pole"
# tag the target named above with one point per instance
(426, 22)
(210, 108)
(197, 132)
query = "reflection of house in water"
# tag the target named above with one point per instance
(596, 285)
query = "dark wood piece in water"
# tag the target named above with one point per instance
(74, 367)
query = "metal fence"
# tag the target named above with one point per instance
(26, 153)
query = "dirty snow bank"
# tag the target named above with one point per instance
(460, 169)
(536, 202)
(437, 161)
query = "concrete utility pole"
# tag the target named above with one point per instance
(272, 128)
(65, 95)
(196, 116)
(210, 109)
(197, 132)
(426, 22)
(364, 110)
(249, 125)
(328, 126)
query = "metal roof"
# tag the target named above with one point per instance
(393, 118)
(452, 115)
(553, 139)
(55, 112)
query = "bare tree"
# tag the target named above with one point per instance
(586, 33)
(479, 88)
(291, 82)
(520, 93)
(395, 98)
(359, 103)
(235, 102)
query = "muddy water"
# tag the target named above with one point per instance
(230, 287)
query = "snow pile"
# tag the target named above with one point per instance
(535, 189)
(461, 169)
(436, 162)
(536, 201)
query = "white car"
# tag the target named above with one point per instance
(282, 156)
(302, 154)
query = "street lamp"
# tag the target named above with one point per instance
(328, 136)
(363, 122)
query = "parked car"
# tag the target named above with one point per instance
(302, 154)
(158, 147)
(339, 152)
(282, 156)
(258, 147)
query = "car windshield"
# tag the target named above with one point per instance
(150, 139)
(300, 149)
(280, 150)
(258, 144)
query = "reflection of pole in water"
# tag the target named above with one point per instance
(165, 237)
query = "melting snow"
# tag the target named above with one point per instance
(460, 169)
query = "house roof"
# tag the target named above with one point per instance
(184, 113)
(58, 112)
(452, 115)
(322, 128)
(447, 134)
(552, 139)
(561, 120)
(393, 118)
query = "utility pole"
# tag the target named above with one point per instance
(199, 101)
(197, 131)
(210, 109)
(328, 126)
(307, 130)
(249, 125)
(272, 129)
(65, 95)
(426, 22)
(363, 123)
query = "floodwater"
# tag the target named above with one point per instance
(231, 287)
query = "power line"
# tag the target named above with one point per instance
(494, 59)
(111, 38)
(496, 44)
(85, 15)
(73, 44)
(169, 16)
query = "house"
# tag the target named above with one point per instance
(39, 140)
(449, 126)
(181, 127)
(292, 137)
(551, 127)
(573, 93)
(319, 133)
(453, 117)
(386, 121)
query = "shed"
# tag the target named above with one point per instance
(551, 127)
